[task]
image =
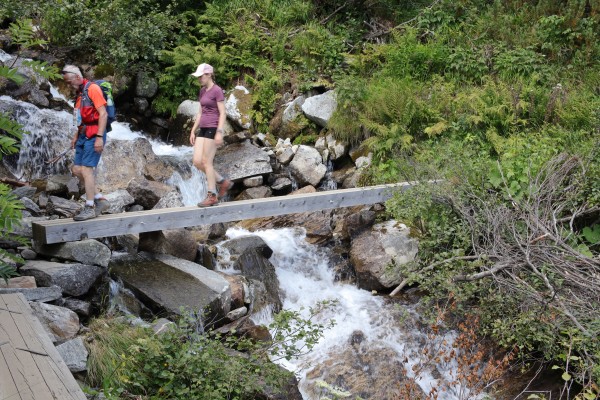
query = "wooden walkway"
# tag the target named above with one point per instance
(30, 366)
(67, 230)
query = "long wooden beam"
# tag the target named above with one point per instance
(67, 230)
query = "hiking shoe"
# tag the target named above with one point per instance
(88, 212)
(210, 200)
(224, 187)
(102, 205)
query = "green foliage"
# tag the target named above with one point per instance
(186, 361)
(126, 35)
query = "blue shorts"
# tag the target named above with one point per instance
(85, 155)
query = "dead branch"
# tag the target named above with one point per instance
(13, 182)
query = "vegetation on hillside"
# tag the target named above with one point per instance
(500, 99)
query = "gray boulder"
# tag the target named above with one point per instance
(242, 160)
(238, 105)
(124, 160)
(89, 251)
(167, 283)
(320, 108)
(73, 279)
(179, 243)
(378, 253)
(60, 323)
(74, 354)
(307, 166)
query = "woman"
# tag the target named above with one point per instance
(210, 119)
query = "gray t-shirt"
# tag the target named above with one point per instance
(208, 101)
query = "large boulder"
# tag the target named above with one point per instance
(124, 160)
(377, 254)
(166, 283)
(74, 354)
(179, 243)
(148, 193)
(320, 108)
(242, 160)
(307, 166)
(88, 251)
(255, 267)
(60, 323)
(146, 86)
(73, 279)
(238, 105)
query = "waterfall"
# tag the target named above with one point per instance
(328, 183)
(49, 134)
(305, 278)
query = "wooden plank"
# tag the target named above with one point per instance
(34, 365)
(67, 230)
(21, 368)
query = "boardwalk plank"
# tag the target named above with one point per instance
(35, 368)
(66, 230)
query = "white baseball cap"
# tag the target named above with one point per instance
(203, 69)
(71, 69)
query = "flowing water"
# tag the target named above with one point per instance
(384, 327)
(365, 324)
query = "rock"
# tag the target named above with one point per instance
(73, 279)
(57, 185)
(63, 207)
(320, 108)
(237, 246)
(135, 159)
(88, 251)
(242, 160)
(205, 258)
(176, 242)
(162, 325)
(24, 191)
(28, 254)
(170, 200)
(237, 283)
(82, 308)
(146, 86)
(364, 371)
(23, 282)
(74, 354)
(253, 181)
(119, 200)
(140, 105)
(236, 314)
(31, 206)
(307, 166)
(43, 294)
(282, 184)
(168, 283)
(377, 254)
(256, 267)
(60, 323)
(260, 192)
(238, 105)
(148, 193)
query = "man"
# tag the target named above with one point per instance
(90, 119)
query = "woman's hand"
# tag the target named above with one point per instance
(219, 137)
(192, 138)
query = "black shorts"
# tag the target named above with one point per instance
(208, 133)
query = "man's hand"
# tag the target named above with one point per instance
(73, 141)
(98, 145)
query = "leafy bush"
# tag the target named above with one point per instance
(120, 33)
(186, 361)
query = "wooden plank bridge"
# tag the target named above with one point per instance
(67, 230)
(30, 366)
